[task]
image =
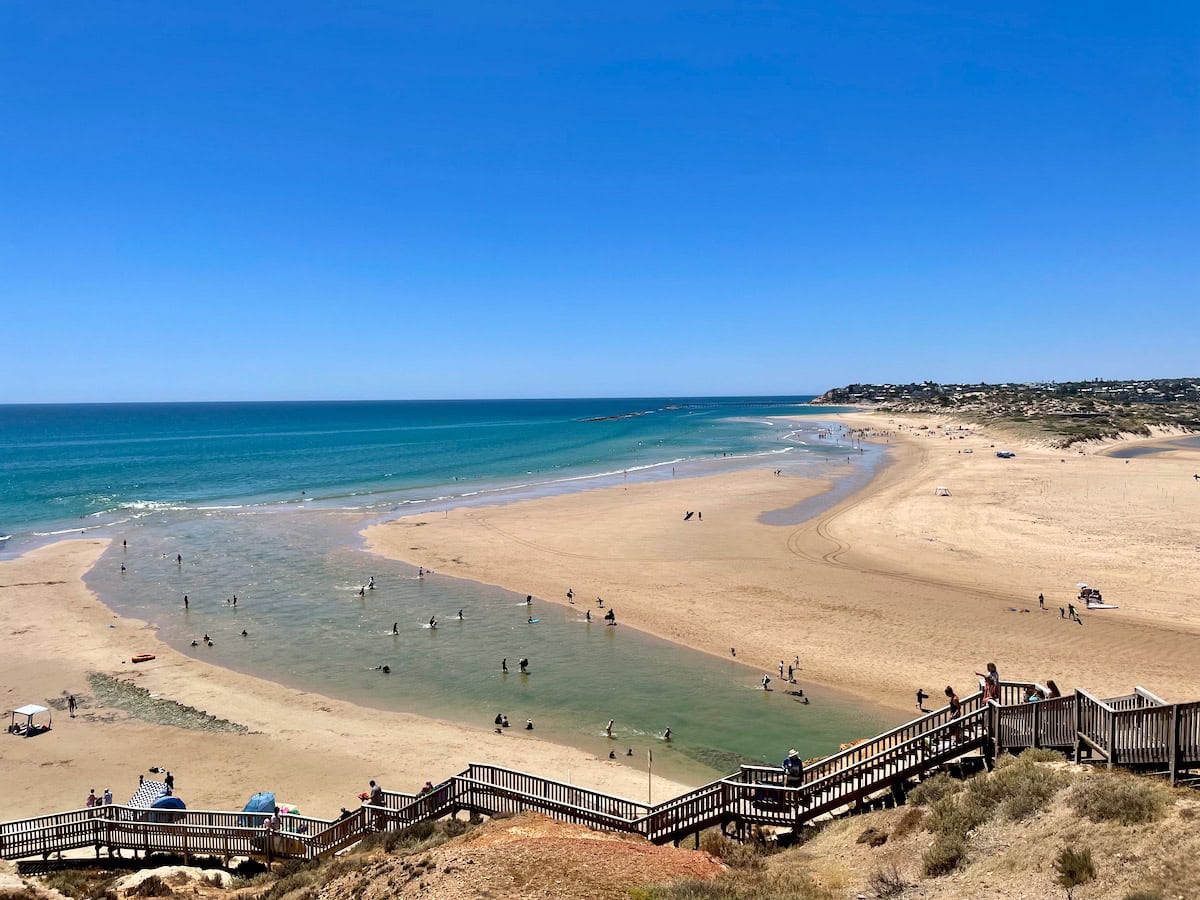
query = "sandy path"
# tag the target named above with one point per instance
(313, 751)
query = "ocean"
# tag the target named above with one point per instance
(266, 501)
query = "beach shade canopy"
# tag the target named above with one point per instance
(28, 728)
(168, 803)
(147, 793)
(262, 802)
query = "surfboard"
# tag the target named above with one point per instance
(534, 621)
(1102, 606)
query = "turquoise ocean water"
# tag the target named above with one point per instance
(266, 501)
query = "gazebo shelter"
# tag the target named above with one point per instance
(29, 728)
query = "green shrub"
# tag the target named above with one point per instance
(1120, 797)
(908, 822)
(734, 854)
(931, 790)
(1074, 867)
(888, 882)
(944, 855)
(153, 886)
(1041, 754)
(79, 882)
(955, 815)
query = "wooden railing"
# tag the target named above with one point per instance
(1137, 729)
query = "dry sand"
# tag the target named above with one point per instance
(892, 589)
(313, 751)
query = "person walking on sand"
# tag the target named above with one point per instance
(781, 670)
(570, 596)
(1041, 601)
(71, 705)
(1073, 614)
(921, 698)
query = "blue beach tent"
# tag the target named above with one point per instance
(166, 803)
(262, 802)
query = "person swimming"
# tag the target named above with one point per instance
(371, 584)
(460, 615)
(433, 621)
(530, 620)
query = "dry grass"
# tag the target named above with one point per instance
(757, 885)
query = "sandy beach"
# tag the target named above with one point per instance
(893, 589)
(313, 751)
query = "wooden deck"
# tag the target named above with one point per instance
(1138, 731)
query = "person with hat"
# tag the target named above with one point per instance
(793, 769)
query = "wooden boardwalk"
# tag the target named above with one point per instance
(1138, 731)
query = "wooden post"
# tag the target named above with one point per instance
(1173, 746)
(649, 777)
(1112, 739)
(1078, 725)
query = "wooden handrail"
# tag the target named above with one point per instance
(841, 778)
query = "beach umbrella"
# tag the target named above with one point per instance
(262, 802)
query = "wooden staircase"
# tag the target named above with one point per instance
(1138, 731)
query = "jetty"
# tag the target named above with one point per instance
(1137, 731)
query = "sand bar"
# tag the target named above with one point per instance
(893, 588)
(313, 751)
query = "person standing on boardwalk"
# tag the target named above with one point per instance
(991, 683)
(955, 714)
(793, 769)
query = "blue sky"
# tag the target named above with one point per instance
(389, 200)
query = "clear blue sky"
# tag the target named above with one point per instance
(386, 200)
